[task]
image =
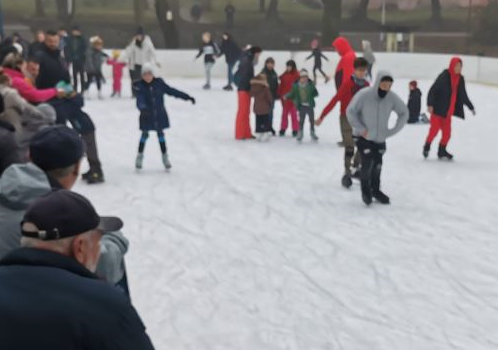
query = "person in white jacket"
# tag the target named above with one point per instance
(141, 50)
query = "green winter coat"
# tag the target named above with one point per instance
(295, 95)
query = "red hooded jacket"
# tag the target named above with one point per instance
(344, 95)
(286, 81)
(455, 80)
(345, 68)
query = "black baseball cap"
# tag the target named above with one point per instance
(56, 147)
(62, 214)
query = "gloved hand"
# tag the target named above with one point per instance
(191, 99)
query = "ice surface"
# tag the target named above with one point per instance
(252, 246)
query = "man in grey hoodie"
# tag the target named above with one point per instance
(56, 154)
(368, 113)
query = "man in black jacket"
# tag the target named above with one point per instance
(232, 53)
(50, 297)
(74, 53)
(53, 71)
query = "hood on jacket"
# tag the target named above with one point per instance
(454, 61)
(257, 81)
(20, 184)
(381, 74)
(342, 46)
(12, 73)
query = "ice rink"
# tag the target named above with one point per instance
(252, 246)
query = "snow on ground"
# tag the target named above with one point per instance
(248, 245)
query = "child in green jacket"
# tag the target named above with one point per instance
(303, 95)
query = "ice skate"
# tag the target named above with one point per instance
(443, 154)
(207, 87)
(381, 197)
(95, 177)
(228, 88)
(166, 161)
(346, 181)
(299, 136)
(313, 136)
(427, 149)
(139, 161)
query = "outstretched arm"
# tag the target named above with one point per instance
(323, 56)
(402, 111)
(168, 90)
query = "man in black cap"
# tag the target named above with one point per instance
(55, 154)
(50, 297)
(52, 71)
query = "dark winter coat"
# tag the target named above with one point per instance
(70, 109)
(50, 301)
(317, 55)
(52, 69)
(150, 103)
(245, 72)
(209, 50)
(9, 152)
(94, 61)
(231, 50)
(262, 97)
(75, 49)
(439, 96)
(6, 47)
(272, 78)
(414, 105)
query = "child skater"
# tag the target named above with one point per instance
(445, 100)
(153, 116)
(287, 80)
(210, 50)
(95, 58)
(317, 54)
(263, 101)
(415, 104)
(303, 95)
(272, 78)
(345, 95)
(117, 72)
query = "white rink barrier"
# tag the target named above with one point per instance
(181, 63)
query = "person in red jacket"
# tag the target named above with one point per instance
(345, 67)
(445, 100)
(355, 83)
(287, 80)
(117, 72)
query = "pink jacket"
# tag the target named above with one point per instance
(28, 91)
(117, 68)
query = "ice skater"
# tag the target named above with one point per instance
(303, 96)
(369, 113)
(272, 78)
(369, 56)
(317, 55)
(287, 80)
(95, 58)
(263, 101)
(445, 100)
(117, 72)
(210, 50)
(150, 93)
(345, 95)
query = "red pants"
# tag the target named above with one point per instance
(242, 124)
(289, 108)
(438, 123)
(116, 84)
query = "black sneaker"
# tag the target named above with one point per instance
(443, 154)
(273, 132)
(346, 181)
(87, 175)
(281, 133)
(381, 197)
(427, 149)
(367, 198)
(228, 88)
(95, 177)
(294, 133)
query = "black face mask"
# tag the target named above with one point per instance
(138, 42)
(382, 93)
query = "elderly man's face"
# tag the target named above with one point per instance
(52, 42)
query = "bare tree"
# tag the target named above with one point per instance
(437, 17)
(166, 17)
(138, 11)
(262, 6)
(331, 20)
(39, 9)
(66, 10)
(362, 11)
(272, 12)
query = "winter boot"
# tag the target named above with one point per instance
(100, 96)
(313, 136)
(442, 153)
(367, 197)
(228, 88)
(381, 197)
(206, 87)
(356, 174)
(295, 133)
(346, 181)
(166, 161)
(427, 149)
(139, 161)
(114, 93)
(273, 132)
(95, 177)
(281, 133)
(299, 136)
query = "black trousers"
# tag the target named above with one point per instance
(97, 77)
(78, 69)
(135, 75)
(263, 123)
(371, 154)
(318, 68)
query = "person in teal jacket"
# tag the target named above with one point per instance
(303, 95)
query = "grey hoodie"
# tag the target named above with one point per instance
(369, 112)
(21, 185)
